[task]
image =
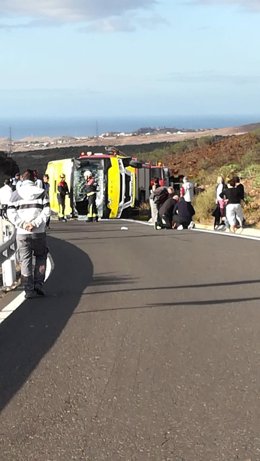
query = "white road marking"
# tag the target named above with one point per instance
(16, 302)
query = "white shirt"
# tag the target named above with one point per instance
(188, 191)
(5, 194)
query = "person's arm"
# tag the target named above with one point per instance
(223, 194)
(45, 213)
(12, 211)
(175, 209)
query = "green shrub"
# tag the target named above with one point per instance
(256, 181)
(204, 141)
(227, 171)
(250, 171)
(204, 204)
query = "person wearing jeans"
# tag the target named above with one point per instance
(28, 211)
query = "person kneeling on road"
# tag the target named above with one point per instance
(166, 209)
(29, 210)
(182, 214)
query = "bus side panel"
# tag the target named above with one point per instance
(113, 187)
(132, 191)
(143, 179)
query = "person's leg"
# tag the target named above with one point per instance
(90, 207)
(166, 222)
(239, 215)
(63, 207)
(231, 216)
(95, 213)
(40, 251)
(24, 247)
(175, 221)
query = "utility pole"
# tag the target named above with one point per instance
(10, 142)
(96, 128)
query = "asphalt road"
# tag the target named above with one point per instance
(146, 347)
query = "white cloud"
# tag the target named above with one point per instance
(72, 10)
(253, 5)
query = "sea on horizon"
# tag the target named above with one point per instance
(18, 128)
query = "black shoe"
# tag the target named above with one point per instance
(39, 291)
(31, 294)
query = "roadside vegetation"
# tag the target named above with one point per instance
(204, 159)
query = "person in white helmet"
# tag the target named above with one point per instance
(91, 192)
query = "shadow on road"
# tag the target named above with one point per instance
(170, 304)
(28, 334)
(105, 280)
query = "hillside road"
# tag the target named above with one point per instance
(146, 347)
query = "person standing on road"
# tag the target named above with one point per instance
(91, 191)
(28, 210)
(219, 221)
(153, 206)
(38, 181)
(234, 212)
(5, 195)
(188, 189)
(46, 187)
(63, 190)
(16, 181)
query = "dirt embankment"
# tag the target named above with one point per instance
(211, 156)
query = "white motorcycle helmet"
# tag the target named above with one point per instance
(87, 174)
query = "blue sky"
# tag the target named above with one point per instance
(129, 57)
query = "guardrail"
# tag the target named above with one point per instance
(7, 252)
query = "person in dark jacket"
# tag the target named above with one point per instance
(234, 212)
(160, 195)
(91, 192)
(63, 190)
(166, 209)
(182, 214)
(46, 187)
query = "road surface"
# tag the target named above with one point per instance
(146, 347)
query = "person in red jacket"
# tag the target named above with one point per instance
(91, 191)
(63, 190)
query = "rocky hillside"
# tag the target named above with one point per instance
(238, 155)
(212, 153)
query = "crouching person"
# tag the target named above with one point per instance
(28, 211)
(182, 214)
(166, 209)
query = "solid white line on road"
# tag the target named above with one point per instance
(16, 302)
(227, 234)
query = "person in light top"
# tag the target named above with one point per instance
(28, 210)
(187, 189)
(5, 195)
